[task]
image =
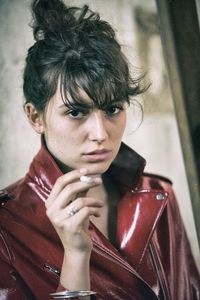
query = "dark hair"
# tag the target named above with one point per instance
(76, 48)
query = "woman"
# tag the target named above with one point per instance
(85, 220)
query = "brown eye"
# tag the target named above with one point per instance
(114, 110)
(75, 114)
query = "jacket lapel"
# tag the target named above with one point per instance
(121, 281)
(138, 215)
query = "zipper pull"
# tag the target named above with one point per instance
(52, 269)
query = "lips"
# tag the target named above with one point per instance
(98, 152)
(97, 155)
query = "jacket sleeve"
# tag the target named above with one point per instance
(195, 277)
(175, 249)
(12, 285)
(182, 243)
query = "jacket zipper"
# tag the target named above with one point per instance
(52, 269)
(156, 264)
(105, 253)
(113, 258)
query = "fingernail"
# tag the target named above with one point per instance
(83, 170)
(98, 179)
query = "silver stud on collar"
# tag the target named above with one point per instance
(160, 196)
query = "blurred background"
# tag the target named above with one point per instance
(156, 139)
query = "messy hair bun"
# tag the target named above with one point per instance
(74, 45)
(50, 17)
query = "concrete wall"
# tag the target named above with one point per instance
(156, 139)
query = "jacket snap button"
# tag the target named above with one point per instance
(160, 196)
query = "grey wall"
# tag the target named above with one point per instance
(156, 139)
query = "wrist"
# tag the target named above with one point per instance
(74, 254)
(75, 273)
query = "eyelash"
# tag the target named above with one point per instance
(118, 107)
(70, 112)
(81, 114)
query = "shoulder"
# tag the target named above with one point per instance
(155, 181)
(9, 209)
(5, 252)
(163, 184)
(160, 183)
(5, 196)
(9, 192)
(157, 177)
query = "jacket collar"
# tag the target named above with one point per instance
(126, 169)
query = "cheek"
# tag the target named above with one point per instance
(58, 129)
(118, 130)
(124, 122)
(121, 125)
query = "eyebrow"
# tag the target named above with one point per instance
(89, 106)
(73, 104)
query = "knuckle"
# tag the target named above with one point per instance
(56, 222)
(52, 215)
(48, 202)
(59, 180)
(69, 189)
(87, 210)
(48, 213)
(82, 202)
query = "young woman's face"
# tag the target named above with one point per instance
(84, 139)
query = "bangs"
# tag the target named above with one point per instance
(99, 84)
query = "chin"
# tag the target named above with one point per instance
(99, 168)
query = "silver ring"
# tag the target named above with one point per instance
(72, 211)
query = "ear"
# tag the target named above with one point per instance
(35, 118)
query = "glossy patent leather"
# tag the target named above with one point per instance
(150, 260)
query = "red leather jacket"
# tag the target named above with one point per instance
(151, 258)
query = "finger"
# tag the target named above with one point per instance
(70, 192)
(58, 217)
(62, 181)
(75, 223)
(79, 204)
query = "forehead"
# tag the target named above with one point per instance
(82, 95)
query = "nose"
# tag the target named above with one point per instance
(97, 127)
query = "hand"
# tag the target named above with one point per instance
(69, 209)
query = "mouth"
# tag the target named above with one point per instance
(97, 155)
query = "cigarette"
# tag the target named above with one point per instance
(86, 179)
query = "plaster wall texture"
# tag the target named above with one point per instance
(156, 138)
